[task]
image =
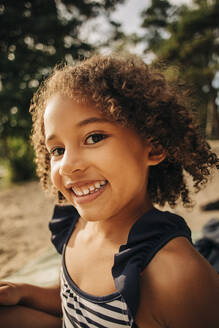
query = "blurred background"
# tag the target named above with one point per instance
(35, 35)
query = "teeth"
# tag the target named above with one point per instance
(91, 188)
(78, 192)
(97, 185)
(85, 191)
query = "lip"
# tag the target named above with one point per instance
(90, 197)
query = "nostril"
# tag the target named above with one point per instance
(64, 170)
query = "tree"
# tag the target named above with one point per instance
(188, 37)
(34, 36)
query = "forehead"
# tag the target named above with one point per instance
(61, 106)
(63, 115)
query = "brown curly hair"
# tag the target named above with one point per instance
(130, 92)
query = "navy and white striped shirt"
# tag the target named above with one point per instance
(147, 236)
(83, 310)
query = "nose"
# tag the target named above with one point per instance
(71, 162)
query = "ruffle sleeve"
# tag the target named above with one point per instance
(147, 236)
(62, 224)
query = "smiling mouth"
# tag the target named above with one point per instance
(90, 192)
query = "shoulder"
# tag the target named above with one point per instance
(180, 288)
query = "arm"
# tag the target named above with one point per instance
(24, 317)
(179, 289)
(46, 299)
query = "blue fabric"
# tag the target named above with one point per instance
(208, 245)
(64, 217)
(147, 236)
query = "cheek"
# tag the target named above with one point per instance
(55, 176)
(129, 177)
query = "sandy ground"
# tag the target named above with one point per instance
(24, 215)
(25, 212)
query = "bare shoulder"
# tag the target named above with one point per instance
(180, 288)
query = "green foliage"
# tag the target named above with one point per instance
(188, 37)
(34, 36)
(21, 165)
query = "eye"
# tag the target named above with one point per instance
(95, 138)
(57, 151)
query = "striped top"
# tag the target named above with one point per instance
(83, 310)
(148, 235)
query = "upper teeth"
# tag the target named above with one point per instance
(97, 185)
(86, 190)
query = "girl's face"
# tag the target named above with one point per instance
(99, 166)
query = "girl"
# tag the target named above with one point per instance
(115, 138)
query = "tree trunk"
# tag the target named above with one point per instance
(212, 124)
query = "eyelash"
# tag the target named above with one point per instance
(99, 136)
(56, 149)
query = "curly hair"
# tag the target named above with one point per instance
(128, 91)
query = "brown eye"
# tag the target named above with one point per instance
(58, 151)
(95, 138)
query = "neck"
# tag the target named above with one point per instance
(117, 228)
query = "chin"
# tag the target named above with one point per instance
(90, 215)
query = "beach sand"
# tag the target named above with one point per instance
(24, 215)
(25, 211)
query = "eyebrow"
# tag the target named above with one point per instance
(83, 123)
(92, 120)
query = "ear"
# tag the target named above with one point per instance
(156, 155)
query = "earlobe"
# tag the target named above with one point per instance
(156, 155)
